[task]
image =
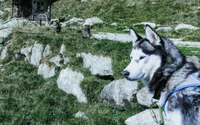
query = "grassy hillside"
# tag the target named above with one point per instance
(27, 98)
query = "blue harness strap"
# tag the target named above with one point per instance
(181, 88)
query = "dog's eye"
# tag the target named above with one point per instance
(142, 57)
(131, 57)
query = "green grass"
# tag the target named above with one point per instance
(27, 98)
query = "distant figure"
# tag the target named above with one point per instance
(86, 32)
(58, 27)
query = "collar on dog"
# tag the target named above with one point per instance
(181, 88)
(153, 114)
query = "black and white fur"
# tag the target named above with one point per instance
(157, 62)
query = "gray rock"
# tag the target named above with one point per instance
(119, 94)
(75, 20)
(26, 51)
(92, 21)
(1, 21)
(69, 81)
(62, 49)
(1, 13)
(4, 33)
(113, 24)
(4, 53)
(46, 71)
(113, 36)
(7, 9)
(80, 115)
(186, 26)
(144, 97)
(17, 22)
(165, 29)
(56, 60)
(98, 65)
(83, 0)
(36, 54)
(47, 51)
(143, 118)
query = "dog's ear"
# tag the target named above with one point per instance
(134, 35)
(152, 36)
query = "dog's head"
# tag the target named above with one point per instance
(145, 56)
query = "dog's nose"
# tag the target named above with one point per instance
(126, 73)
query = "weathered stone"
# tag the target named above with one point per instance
(66, 59)
(119, 94)
(75, 20)
(46, 71)
(7, 9)
(92, 21)
(143, 118)
(186, 26)
(56, 60)
(62, 49)
(4, 33)
(69, 81)
(80, 115)
(83, 0)
(36, 54)
(16, 22)
(113, 24)
(26, 51)
(1, 13)
(4, 53)
(47, 51)
(113, 36)
(165, 29)
(144, 97)
(98, 65)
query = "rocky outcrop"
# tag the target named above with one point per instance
(46, 71)
(93, 21)
(186, 26)
(143, 118)
(69, 81)
(36, 54)
(98, 65)
(119, 94)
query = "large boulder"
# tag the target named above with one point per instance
(69, 81)
(144, 97)
(98, 65)
(143, 118)
(119, 94)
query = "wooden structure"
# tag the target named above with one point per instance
(32, 9)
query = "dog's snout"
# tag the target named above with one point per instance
(126, 73)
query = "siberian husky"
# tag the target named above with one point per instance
(175, 83)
